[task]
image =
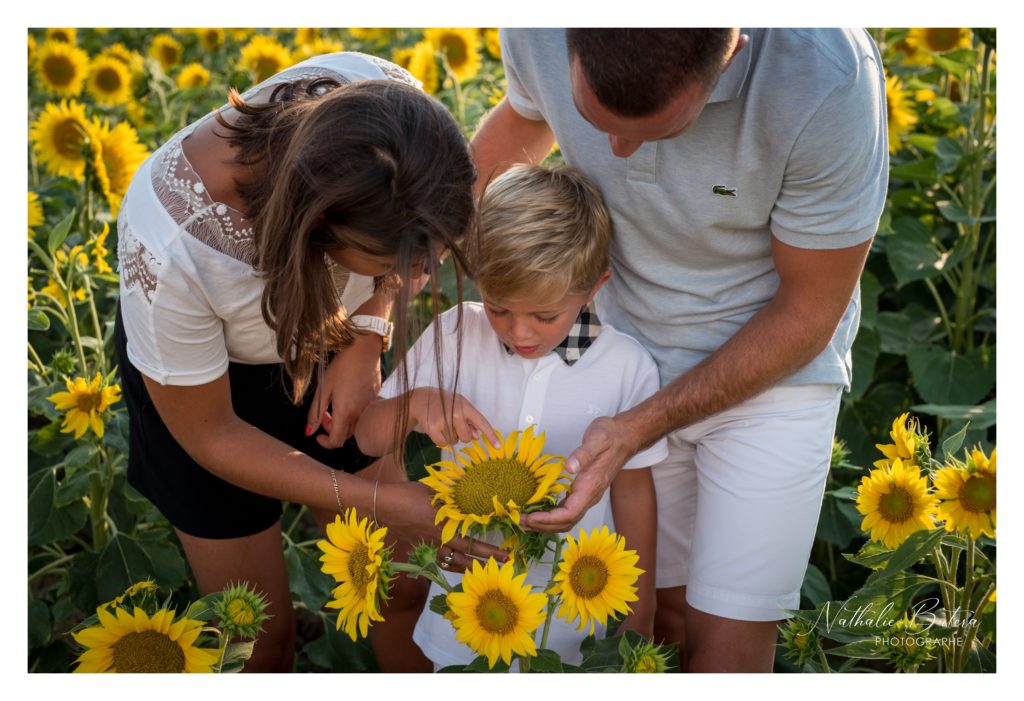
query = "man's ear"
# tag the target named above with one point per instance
(741, 41)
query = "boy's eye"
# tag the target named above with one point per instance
(547, 319)
(497, 312)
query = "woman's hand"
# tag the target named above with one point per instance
(406, 510)
(350, 383)
(448, 418)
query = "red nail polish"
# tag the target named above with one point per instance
(309, 430)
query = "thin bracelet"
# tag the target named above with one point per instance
(337, 494)
(376, 483)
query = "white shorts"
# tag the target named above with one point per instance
(738, 502)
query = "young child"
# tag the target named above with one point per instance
(533, 353)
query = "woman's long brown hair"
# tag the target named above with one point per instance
(373, 165)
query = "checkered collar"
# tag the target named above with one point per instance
(584, 330)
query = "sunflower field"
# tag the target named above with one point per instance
(902, 574)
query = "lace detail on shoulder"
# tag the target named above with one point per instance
(182, 193)
(395, 72)
(295, 75)
(134, 261)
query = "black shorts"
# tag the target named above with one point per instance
(191, 497)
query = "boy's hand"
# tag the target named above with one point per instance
(448, 418)
(351, 382)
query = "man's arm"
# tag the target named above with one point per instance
(505, 138)
(815, 287)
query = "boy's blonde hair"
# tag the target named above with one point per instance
(543, 233)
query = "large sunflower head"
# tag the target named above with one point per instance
(58, 135)
(899, 111)
(61, 68)
(461, 49)
(117, 155)
(264, 57)
(85, 402)
(306, 35)
(487, 482)
(66, 35)
(895, 502)
(132, 59)
(210, 38)
(110, 81)
(422, 64)
(167, 50)
(355, 555)
(496, 613)
(939, 39)
(194, 75)
(595, 578)
(967, 495)
(135, 642)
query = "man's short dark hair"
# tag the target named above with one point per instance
(636, 72)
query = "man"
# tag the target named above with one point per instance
(746, 173)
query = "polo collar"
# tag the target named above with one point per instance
(581, 336)
(730, 83)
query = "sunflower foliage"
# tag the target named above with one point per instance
(928, 604)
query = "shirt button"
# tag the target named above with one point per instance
(536, 377)
(529, 419)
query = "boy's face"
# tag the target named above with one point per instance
(533, 329)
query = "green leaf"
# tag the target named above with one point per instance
(951, 445)
(839, 522)
(944, 377)
(73, 488)
(949, 153)
(82, 581)
(601, 655)
(79, 455)
(949, 65)
(335, 652)
(911, 253)
(546, 661)
(38, 320)
(865, 352)
(917, 546)
(872, 555)
(39, 624)
(49, 440)
(913, 325)
(60, 232)
(865, 649)
(870, 289)
(236, 655)
(121, 563)
(439, 604)
(815, 587)
(980, 659)
(925, 142)
(921, 170)
(305, 578)
(48, 522)
(163, 551)
(954, 213)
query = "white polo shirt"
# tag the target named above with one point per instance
(614, 374)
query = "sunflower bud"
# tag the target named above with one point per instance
(903, 645)
(241, 611)
(646, 658)
(800, 641)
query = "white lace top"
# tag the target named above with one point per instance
(189, 295)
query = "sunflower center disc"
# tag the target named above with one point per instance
(59, 70)
(240, 612)
(496, 613)
(942, 38)
(357, 562)
(148, 651)
(108, 80)
(508, 480)
(455, 50)
(88, 402)
(588, 577)
(897, 505)
(978, 493)
(67, 138)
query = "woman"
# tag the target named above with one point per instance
(261, 250)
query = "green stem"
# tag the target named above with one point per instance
(98, 510)
(429, 572)
(942, 308)
(40, 368)
(101, 352)
(552, 600)
(824, 660)
(50, 567)
(965, 599)
(295, 522)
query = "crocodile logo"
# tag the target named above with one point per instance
(724, 191)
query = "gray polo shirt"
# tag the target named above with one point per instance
(795, 128)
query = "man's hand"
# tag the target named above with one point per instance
(607, 445)
(350, 383)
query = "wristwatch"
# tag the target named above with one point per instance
(374, 324)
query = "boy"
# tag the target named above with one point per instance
(533, 353)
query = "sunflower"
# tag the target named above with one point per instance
(899, 110)
(146, 585)
(117, 155)
(134, 642)
(895, 502)
(306, 35)
(907, 442)
(35, 212)
(496, 613)
(241, 611)
(489, 483)
(646, 658)
(166, 50)
(800, 641)
(492, 43)
(194, 75)
(461, 48)
(904, 646)
(317, 47)
(54, 290)
(367, 34)
(58, 135)
(595, 578)
(264, 57)
(66, 35)
(967, 495)
(360, 563)
(939, 39)
(210, 38)
(61, 68)
(132, 59)
(100, 252)
(84, 404)
(422, 65)
(109, 81)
